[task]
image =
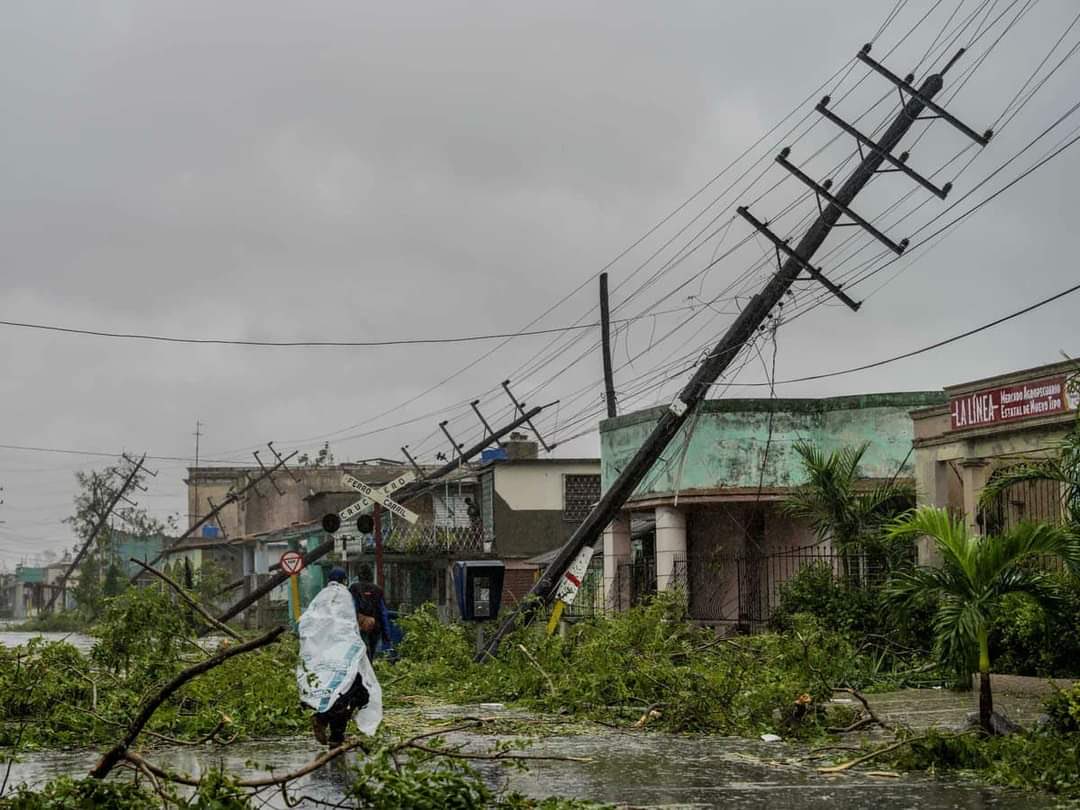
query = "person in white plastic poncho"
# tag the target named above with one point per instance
(334, 675)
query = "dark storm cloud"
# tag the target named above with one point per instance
(363, 170)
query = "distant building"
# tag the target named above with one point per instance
(707, 516)
(511, 507)
(29, 593)
(7, 594)
(250, 535)
(988, 425)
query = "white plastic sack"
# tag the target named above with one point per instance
(332, 654)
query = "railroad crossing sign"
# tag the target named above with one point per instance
(379, 496)
(292, 562)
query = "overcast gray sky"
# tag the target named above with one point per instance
(372, 171)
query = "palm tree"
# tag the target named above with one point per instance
(836, 506)
(967, 589)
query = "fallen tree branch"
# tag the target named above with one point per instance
(300, 772)
(224, 628)
(260, 782)
(501, 755)
(535, 663)
(870, 717)
(115, 754)
(888, 748)
(157, 735)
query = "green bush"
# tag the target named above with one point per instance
(51, 695)
(1024, 641)
(1048, 762)
(1063, 709)
(80, 794)
(650, 657)
(836, 605)
(894, 648)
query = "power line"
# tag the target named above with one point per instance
(924, 349)
(65, 451)
(311, 343)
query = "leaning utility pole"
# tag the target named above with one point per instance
(406, 493)
(90, 538)
(741, 332)
(232, 497)
(605, 346)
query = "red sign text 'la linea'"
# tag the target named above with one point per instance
(1024, 401)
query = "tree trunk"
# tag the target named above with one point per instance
(986, 697)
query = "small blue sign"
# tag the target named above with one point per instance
(211, 532)
(494, 454)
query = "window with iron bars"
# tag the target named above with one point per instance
(580, 493)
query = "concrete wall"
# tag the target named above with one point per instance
(525, 486)
(523, 533)
(717, 538)
(528, 505)
(729, 437)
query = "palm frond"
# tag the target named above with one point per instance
(1039, 586)
(955, 544)
(1032, 540)
(956, 625)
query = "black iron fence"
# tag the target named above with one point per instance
(745, 588)
(1030, 501)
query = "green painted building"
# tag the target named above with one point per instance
(706, 517)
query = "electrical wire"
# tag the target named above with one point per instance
(310, 343)
(923, 350)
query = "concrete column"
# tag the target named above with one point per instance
(932, 480)
(973, 473)
(670, 547)
(616, 555)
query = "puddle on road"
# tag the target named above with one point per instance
(11, 638)
(641, 769)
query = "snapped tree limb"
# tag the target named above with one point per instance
(115, 754)
(224, 628)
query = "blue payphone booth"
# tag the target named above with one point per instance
(478, 585)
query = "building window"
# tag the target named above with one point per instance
(451, 511)
(580, 494)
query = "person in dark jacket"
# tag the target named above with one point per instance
(371, 613)
(329, 726)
